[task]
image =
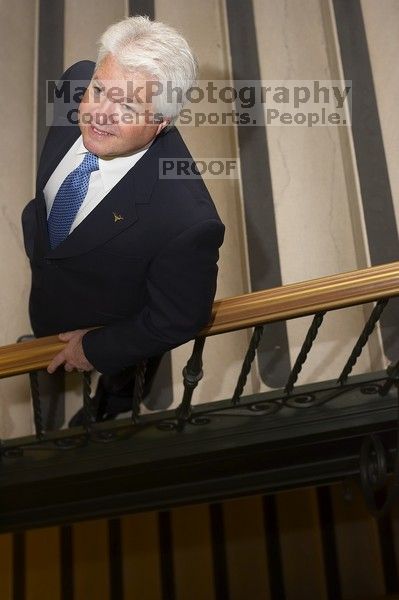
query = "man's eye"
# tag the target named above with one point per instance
(128, 107)
(97, 88)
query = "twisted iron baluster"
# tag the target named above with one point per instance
(139, 381)
(362, 341)
(37, 408)
(306, 346)
(246, 365)
(88, 417)
(192, 374)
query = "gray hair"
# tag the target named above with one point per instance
(156, 50)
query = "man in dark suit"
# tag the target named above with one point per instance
(123, 262)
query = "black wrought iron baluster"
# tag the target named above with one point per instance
(88, 417)
(393, 376)
(246, 365)
(37, 408)
(304, 351)
(192, 374)
(374, 471)
(139, 381)
(363, 338)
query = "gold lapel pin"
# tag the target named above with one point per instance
(117, 217)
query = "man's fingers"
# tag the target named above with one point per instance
(58, 360)
(72, 355)
(66, 335)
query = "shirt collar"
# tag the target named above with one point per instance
(112, 170)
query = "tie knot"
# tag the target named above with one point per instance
(89, 163)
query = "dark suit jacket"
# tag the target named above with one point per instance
(148, 279)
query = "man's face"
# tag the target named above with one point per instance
(112, 123)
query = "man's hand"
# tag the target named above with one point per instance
(72, 356)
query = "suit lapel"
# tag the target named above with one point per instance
(61, 138)
(116, 211)
(42, 242)
(59, 141)
(111, 216)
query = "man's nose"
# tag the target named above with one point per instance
(105, 112)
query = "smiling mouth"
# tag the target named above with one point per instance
(99, 132)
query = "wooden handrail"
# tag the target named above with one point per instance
(238, 312)
(304, 298)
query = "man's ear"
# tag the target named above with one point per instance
(162, 125)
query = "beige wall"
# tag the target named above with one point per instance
(84, 24)
(17, 76)
(320, 223)
(311, 202)
(382, 28)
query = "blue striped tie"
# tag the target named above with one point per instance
(69, 199)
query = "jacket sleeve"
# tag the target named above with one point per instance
(181, 285)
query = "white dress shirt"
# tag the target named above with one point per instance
(110, 172)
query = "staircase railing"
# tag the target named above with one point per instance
(254, 310)
(248, 310)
